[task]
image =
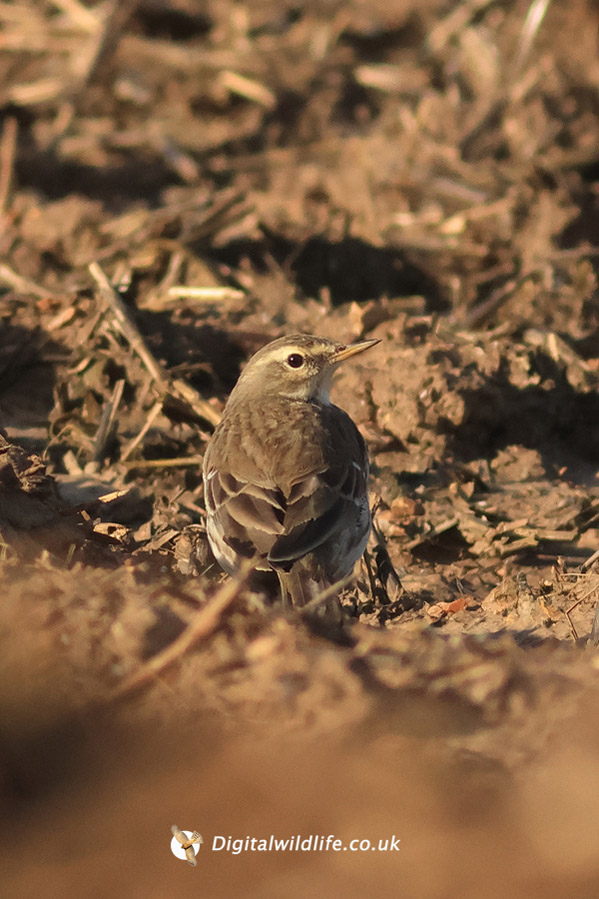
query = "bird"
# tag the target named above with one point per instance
(286, 471)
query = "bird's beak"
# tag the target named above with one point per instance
(353, 349)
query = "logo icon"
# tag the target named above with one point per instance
(185, 844)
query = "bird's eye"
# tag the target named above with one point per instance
(295, 360)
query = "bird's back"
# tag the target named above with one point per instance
(287, 491)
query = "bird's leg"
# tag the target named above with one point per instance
(318, 599)
(295, 591)
(286, 600)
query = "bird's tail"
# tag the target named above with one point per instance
(300, 588)
(297, 587)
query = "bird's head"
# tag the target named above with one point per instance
(299, 367)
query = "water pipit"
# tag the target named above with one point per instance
(286, 471)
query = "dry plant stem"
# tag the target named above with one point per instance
(185, 392)
(107, 420)
(460, 15)
(177, 462)
(202, 626)
(24, 285)
(126, 326)
(249, 88)
(567, 613)
(594, 637)
(8, 146)
(590, 561)
(532, 23)
(119, 13)
(130, 332)
(150, 419)
(489, 306)
(204, 294)
(435, 531)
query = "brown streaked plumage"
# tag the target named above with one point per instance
(285, 474)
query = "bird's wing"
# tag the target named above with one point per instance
(250, 517)
(283, 521)
(319, 506)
